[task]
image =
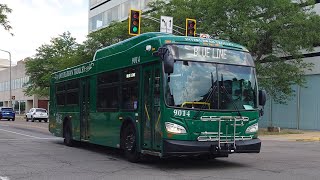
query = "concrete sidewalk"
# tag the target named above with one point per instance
(306, 136)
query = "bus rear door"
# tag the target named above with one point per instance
(84, 109)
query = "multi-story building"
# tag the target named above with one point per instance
(103, 12)
(20, 102)
(4, 64)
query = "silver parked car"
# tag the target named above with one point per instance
(39, 114)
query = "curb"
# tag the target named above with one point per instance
(314, 139)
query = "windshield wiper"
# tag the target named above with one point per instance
(210, 93)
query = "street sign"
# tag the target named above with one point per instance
(166, 24)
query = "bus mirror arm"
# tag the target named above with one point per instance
(168, 62)
(167, 58)
(261, 112)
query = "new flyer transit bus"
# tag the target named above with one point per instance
(161, 95)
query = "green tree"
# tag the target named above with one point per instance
(114, 33)
(269, 29)
(60, 53)
(4, 10)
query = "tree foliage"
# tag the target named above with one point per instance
(59, 54)
(269, 29)
(4, 10)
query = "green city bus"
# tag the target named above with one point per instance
(163, 95)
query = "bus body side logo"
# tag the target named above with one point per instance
(136, 60)
(76, 71)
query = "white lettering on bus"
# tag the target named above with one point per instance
(135, 60)
(78, 70)
(205, 52)
(178, 112)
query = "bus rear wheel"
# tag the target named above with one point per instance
(129, 141)
(67, 133)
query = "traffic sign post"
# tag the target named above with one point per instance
(166, 24)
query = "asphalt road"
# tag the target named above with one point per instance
(28, 151)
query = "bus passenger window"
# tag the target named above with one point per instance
(130, 96)
(108, 91)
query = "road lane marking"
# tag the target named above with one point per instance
(4, 178)
(25, 126)
(20, 134)
(53, 138)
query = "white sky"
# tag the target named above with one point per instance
(35, 22)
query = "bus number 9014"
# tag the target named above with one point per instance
(178, 112)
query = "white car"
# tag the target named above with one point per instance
(39, 114)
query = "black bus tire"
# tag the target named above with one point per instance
(67, 134)
(129, 142)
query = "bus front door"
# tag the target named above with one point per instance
(151, 128)
(84, 109)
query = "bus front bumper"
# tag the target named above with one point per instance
(178, 148)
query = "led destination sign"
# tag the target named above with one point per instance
(203, 53)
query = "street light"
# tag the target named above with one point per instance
(10, 99)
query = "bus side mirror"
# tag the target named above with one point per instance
(262, 97)
(167, 58)
(168, 62)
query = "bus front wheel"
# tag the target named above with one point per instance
(129, 141)
(67, 132)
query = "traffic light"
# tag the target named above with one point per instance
(190, 27)
(134, 22)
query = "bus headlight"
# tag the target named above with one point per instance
(253, 128)
(175, 128)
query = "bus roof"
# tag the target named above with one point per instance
(164, 38)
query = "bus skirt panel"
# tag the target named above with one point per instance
(178, 147)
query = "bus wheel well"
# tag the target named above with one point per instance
(125, 123)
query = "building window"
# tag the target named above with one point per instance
(96, 21)
(115, 13)
(124, 10)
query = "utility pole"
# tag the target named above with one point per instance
(10, 98)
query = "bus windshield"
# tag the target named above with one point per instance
(211, 86)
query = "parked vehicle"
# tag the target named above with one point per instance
(39, 114)
(7, 113)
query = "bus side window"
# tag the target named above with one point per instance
(130, 89)
(108, 85)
